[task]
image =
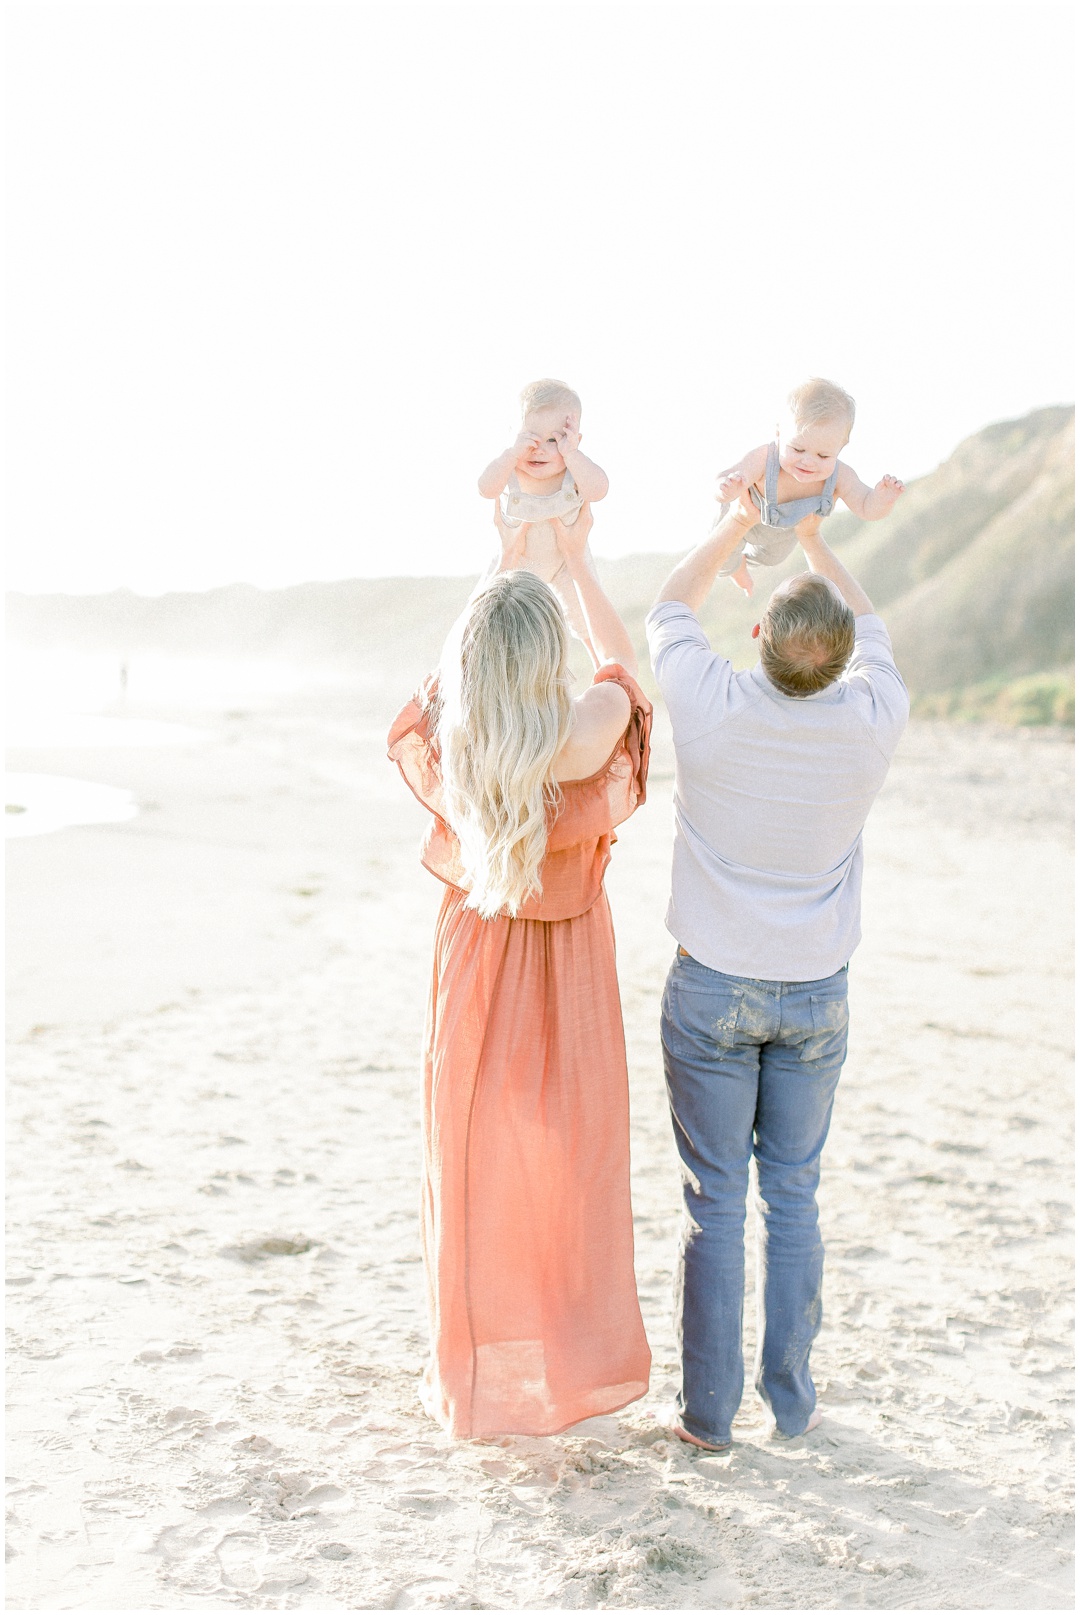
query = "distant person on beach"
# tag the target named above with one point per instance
(525, 1221)
(798, 477)
(544, 475)
(776, 771)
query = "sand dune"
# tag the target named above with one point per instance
(214, 1285)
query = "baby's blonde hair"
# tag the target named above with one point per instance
(819, 400)
(549, 394)
(505, 714)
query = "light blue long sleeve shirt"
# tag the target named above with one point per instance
(771, 795)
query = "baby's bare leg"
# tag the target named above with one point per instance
(735, 566)
(741, 577)
(769, 547)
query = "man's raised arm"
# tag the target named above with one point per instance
(694, 577)
(820, 559)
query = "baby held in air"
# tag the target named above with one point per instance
(543, 476)
(798, 476)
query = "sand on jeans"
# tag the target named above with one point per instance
(214, 1290)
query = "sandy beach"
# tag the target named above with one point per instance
(214, 1287)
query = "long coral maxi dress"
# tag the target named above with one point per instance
(525, 1216)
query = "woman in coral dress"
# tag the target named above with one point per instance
(526, 1222)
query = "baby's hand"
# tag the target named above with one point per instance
(525, 443)
(888, 491)
(568, 438)
(729, 486)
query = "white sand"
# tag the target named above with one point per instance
(215, 1292)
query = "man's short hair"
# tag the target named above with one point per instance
(549, 394)
(807, 636)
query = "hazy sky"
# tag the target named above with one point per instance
(278, 272)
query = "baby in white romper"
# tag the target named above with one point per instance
(544, 474)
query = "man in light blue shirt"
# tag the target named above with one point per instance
(776, 770)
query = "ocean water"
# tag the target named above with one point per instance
(61, 700)
(35, 804)
(43, 730)
(68, 701)
(44, 685)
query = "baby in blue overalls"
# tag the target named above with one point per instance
(796, 476)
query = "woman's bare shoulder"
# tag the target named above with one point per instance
(605, 702)
(601, 714)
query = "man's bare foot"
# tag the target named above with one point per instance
(741, 577)
(811, 1424)
(696, 1441)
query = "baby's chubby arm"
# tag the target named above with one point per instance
(589, 480)
(871, 504)
(493, 479)
(751, 468)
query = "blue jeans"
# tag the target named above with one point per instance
(751, 1068)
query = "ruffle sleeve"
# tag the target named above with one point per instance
(581, 829)
(411, 744)
(635, 742)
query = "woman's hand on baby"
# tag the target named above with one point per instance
(571, 541)
(511, 541)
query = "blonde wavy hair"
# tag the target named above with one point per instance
(504, 715)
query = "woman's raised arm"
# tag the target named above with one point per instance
(610, 641)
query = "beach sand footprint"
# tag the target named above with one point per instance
(186, 1541)
(432, 1592)
(242, 1555)
(420, 1500)
(326, 1499)
(334, 1550)
(258, 1250)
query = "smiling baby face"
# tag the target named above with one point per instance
(810, 453)
(548, 423)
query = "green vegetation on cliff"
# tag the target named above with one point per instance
(973, 573)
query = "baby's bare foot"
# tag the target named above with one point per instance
(741, 577)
